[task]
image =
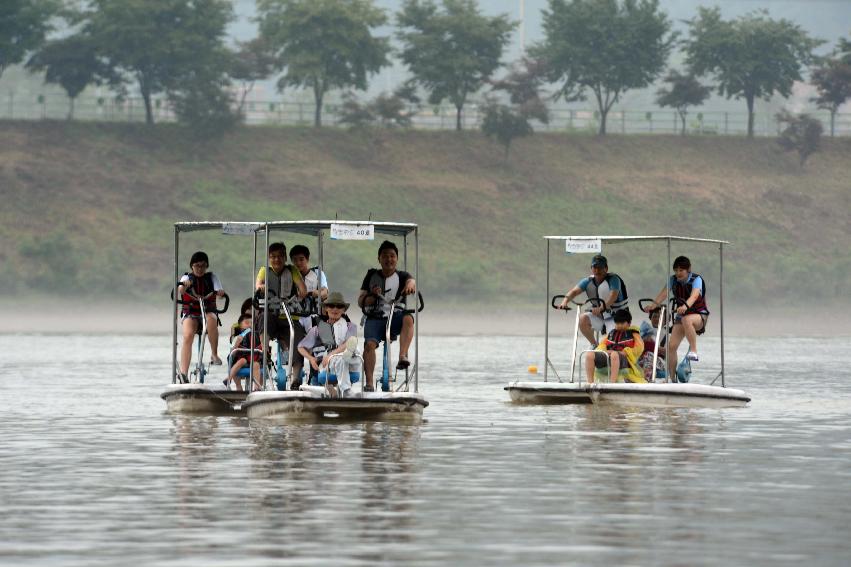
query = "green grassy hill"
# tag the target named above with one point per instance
(87, 209)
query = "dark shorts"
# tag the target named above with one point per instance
(602, 361)
(375, 329)
(704, 316)
(279, 329)
(257, 357)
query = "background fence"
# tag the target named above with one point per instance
(108, 109)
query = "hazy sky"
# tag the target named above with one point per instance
(827, 19)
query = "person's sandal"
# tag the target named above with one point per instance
(369, 388)
(403, 362)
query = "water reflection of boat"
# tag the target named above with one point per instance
(399, 399)
(668, 392)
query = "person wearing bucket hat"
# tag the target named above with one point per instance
(599, 285)
(329, 347)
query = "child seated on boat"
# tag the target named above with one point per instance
(241, 354)
(619, 350)
(330, 347)
(245, 309)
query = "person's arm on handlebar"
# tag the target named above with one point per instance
(410, 287)
(570, 295)
(658, 300)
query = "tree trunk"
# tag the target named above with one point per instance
(458, 108)
(146, 97)
(749, 100)
(833, 121)
(318, 95)
(71, 108)
(604, 113)
(683, 118)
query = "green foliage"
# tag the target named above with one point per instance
(505, 124)
(522, 84)
(204, 105)
(23, 27)
(451, 52)
(161, 43)
(72, 62)
(832, 80)
(750, 57)
(802, 134)
(606, 46)
(251, 62)
(389, 111)
(685, 91)
(324, 44)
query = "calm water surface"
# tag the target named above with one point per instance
(93, 472)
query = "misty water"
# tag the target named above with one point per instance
(94, 472)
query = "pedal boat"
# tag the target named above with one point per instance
(311, 403)
(653, 394)
(205, 394)
(398, 401)
(202, 399)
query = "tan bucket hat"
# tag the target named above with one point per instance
(335, 298)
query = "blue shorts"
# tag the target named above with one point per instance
(375, 329)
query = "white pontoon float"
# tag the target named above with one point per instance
(667, 393)
(399, 398)
(202, 395)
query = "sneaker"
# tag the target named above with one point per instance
(692, 356)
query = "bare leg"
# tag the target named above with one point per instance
(674, 343)
(237, 366)
(589, 365)
(255, 373)
(407, 335)
(586, 328)
(691, 325)
(213, 335)
(369, 361)
(190, 326)
(614, 364)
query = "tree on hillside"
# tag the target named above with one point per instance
(73, 63)
(23, 27)
(750, 57)
(452, 51)
(522, 85)
(685, 91)
(832, 80)
(605, 46)
(324, 44)
(159, 43)
(252, 61)
(389, 111)
(802, 134)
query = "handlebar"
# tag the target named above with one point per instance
(643, 301)
(594, 301)
(195, 299)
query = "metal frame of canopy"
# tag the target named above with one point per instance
(316, 228)
(226, 228)
(619, 239)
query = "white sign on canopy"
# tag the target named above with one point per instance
(352, 232)
(591, 246)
